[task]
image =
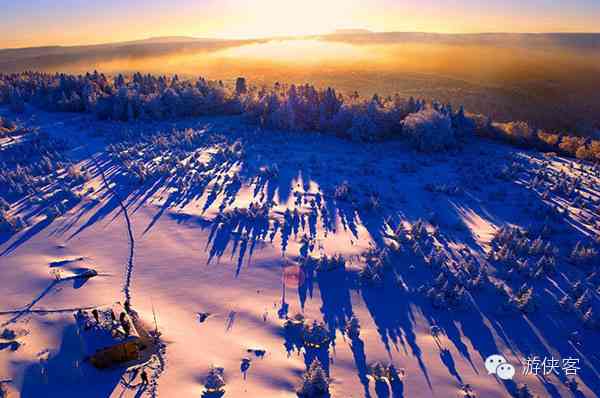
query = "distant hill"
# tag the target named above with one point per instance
(352, 32)
(52, 57)
(585, 41)
(358, 35)
(169, 39)
(55, 57)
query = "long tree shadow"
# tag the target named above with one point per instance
(391, 311)
(360, 360)
(25, 310)
(26, 236)
(303, 200)
(334, 288)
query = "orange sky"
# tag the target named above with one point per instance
(65, 22)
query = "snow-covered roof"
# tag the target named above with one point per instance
(105, 332)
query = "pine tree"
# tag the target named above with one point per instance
(241, 86)
(315, 383)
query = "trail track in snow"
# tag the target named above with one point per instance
(130, 262)
(161, 349)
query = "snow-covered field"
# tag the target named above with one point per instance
(225, 219)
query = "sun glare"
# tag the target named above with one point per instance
(269, 18)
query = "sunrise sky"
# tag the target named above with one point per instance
(70, 22)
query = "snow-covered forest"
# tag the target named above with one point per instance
(289, 107)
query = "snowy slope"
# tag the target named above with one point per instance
(297, 194)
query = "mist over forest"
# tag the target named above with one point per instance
(549, 80)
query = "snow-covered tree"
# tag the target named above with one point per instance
(315, 383)
(241, 86)
(462, 125)
(525, 300)
(429, 130)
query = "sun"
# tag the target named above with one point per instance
(268, 18)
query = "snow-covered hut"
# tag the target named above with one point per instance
(109, 336)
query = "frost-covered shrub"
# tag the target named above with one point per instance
(30, 164)
(446, 293)
(256, 213)
(512, 248)
(418, 231)
(215, 380)
(377, 265)
(525, 300)
(429, 130)
(9, 224)
(582, 255)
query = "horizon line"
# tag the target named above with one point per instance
(339, 32)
